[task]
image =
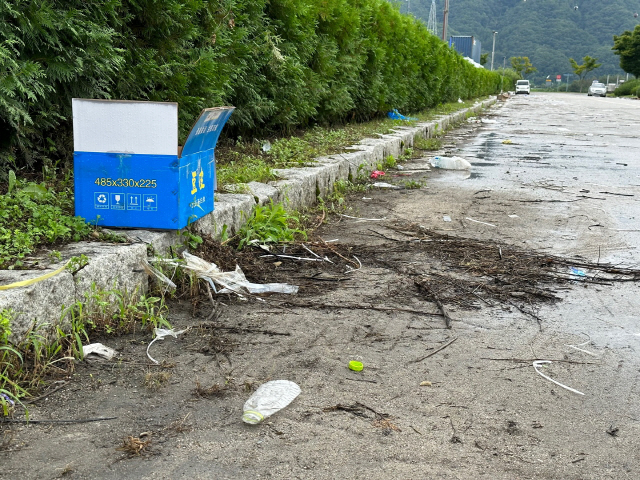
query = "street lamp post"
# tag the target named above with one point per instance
(493, 49)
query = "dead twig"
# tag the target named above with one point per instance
(348, 306)
(434, 352)
(429, 291)
(530, 360)
(44, 395)
(361, 380)
(79, 420)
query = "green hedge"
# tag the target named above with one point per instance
(285, 64)
(627, 88)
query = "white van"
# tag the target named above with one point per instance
(522, 86)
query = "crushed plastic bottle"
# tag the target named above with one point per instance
(450, 163)
(268, 399)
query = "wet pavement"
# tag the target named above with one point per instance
(570, 166)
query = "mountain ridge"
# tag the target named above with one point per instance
(549, 32)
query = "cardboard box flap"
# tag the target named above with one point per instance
(123, 126)
(204, 134)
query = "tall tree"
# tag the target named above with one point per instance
(581, 70)
(523, 66)
(627, 46)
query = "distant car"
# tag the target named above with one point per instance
(597, 90)
(523, 86)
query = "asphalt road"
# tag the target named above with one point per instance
(574, 165)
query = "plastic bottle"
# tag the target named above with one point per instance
(268, 399)
(450, 163)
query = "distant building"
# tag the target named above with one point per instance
(467, 46)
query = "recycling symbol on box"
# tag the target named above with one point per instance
(102, 198)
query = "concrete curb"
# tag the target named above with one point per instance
(117, 266)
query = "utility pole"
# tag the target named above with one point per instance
(493, 50)
(445, 19)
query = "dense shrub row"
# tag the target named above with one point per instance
(628, 88)
(284, 64)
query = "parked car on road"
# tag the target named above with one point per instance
(597, 89)
(523, 86)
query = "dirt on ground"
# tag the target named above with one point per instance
(447, 317)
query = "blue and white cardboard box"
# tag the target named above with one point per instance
(129, 171)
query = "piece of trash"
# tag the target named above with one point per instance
(349, 269)
(577, 347)
(364, 219)
(446, 218)
(355, 366)
(157, 273)
(377, 173)
(384, 185)
(266, 146)
(538, 363)
(96, 351)
(613, 431)
(160, 334)
(396, 115)
(478, 221)
(514, 216)
(577, 272)
(234, 281)
(367, 198)
(425, 384)
(488, 120)
(268, 399)
(6, 398)
(460, 100)
(450, 163)
(507, 142)
(399, 167)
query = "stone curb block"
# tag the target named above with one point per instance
(118, 266)
(111, 266)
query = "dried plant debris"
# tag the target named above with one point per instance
(154, 381)
(380, 420)
(136, 446)
(181, 425)
(450, 271)
(215, 390)
(468, 273)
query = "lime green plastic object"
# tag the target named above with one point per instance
(355, 366)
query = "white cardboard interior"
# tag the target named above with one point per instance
(121, 126)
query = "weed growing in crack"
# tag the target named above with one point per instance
(335, 202)
(115, 312)
(270, 224)
(428, 144)
(413, 184)
(46, 350)
(387, 163)
(154, 381)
